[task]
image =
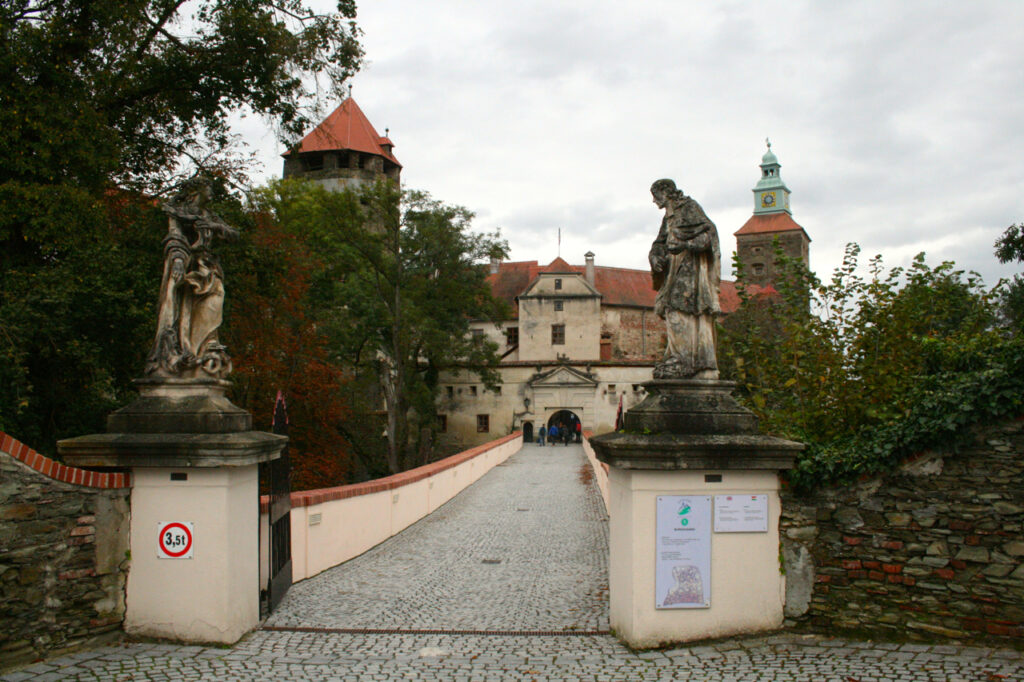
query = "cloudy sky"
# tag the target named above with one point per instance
(899, 125)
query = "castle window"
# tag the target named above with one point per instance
(512, 336)
(442, 423)
(558, 335)
(611, 388)
(559, 304)
(558, 284)
(450, 390)
(477, 334)
(758, 268)
(314, 162)
(472, 390)
(483, 423)
(497, 390)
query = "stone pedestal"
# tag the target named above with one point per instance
(193, 458)
(692, 438)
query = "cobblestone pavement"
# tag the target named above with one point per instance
(541, 518)
(284, 656)
(524, 548)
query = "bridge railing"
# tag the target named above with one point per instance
(600, 468)
(332, 525)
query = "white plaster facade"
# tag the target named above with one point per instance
(563, 351)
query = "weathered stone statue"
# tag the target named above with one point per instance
(686, 270)
(191, 292)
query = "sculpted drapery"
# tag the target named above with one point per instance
(191, 303)
(686, 271)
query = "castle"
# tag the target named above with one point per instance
(582, 339)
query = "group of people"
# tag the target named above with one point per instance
(559, 433)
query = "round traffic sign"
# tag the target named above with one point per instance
(175, 540)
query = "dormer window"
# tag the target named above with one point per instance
(558, 284)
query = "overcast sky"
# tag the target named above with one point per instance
(899, 125)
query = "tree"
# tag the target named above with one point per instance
(822, 361)
(401, 282)
(1010, 249)
(102, 103)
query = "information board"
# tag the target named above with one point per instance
(683, 544)
(741, 513)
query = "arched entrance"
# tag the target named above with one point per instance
(569, 420)
(527, 432)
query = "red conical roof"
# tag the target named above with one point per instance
(346, 128)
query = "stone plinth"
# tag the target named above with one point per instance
(692, 438)
(193, 457)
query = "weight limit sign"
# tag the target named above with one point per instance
(175, 540)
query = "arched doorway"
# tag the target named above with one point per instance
(527, 432)
(568, 419)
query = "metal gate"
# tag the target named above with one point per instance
(276, 480)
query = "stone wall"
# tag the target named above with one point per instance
(63, 554)
(933, 550)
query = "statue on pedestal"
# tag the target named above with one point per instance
(686, 271)
(191, 292)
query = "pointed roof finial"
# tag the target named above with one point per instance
(350, 90)
(387, 132)
(766, 140)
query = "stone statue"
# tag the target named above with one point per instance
(191, 292)
(686, 270)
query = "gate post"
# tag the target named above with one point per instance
(693, 516)
(194, 457)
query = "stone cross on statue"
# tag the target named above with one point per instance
(191, 302)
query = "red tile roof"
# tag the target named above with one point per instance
(346, 128)
(773, 222)
(618, 286)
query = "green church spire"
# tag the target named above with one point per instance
(771, 194)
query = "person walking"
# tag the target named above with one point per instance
(541, 432)
(579, 431)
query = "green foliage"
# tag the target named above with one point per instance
(101, 103)
(1009, 249)
(865, 370)
(399, 285)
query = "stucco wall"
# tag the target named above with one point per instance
(933, 550)
(600, 468)
(63, 554)
(332, 525)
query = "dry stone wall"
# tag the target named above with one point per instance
(63, 554)
(934, 550)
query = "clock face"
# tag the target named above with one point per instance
(768, 199)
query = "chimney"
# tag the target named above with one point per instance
(589, 255)
(495, 264)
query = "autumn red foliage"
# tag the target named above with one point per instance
(276, 346)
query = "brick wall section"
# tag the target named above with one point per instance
(63, 554)
(306, 498)
(934, 550)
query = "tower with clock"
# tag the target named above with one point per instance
(771, 222)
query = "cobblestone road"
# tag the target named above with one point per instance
(524, 548)
(543, 522)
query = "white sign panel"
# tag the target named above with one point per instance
(682, 577)
(174, 540)
(741, 513)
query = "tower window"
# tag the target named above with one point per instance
(512, 336)
(558, 284)
(559, 304)
(314, 162)
(558, 335)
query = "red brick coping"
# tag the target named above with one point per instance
(61, 472)
(307, 498)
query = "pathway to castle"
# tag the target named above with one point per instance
(508, 581)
